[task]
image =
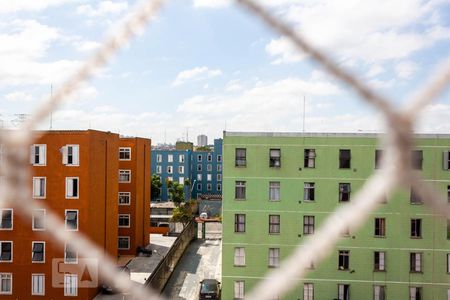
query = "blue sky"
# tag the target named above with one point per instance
(203, 66)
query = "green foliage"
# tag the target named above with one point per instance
(203, 148)
(182, 214)
(176, 192)
(156, 186)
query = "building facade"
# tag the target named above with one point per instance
(207, 171)
(280, 187)
(75, 174)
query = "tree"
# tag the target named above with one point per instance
(182, 214)
(176, 192)
(156, 186)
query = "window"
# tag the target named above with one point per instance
(219, 187)
(379, 292)
(415, 293)
(169, 170)
(124, 221)
(158, 157)
(199, 167)
(199, 177)
(274, 224)
(378, 155)
(239, 193)
(38, 155)
(308, 191)
(71, 187)
(209, 168)
(448, 229)
(448, 262)
(38, 252)
(239, 223)
(71, 219)
(70, 284)
(38, 284)
(274, 257)
(219, 158)
(219, 177)
(417, 159)
(448, 194)
(415, 262)
(158, 169)
(181, 158)
(379, 261)
(239, 290)
(199, 158)
(70, 254)
(6, 251)
(38, 219)
(39, 187)
(344, 260)
(6, 219)
(380, 227)
(344, 158)
(71, 155)
(343, 292)
(416, 228)
(275, 158)
(274, 191)
(124, 198)
(308, 291)
(241, 157)
(181, 180)
(124, 153)
(344, 192)
(5, 283)
(239, 256)
(208, 177)
(170, 158)
(208, 186)
(219, 168)
(180, 169)
(199, 186)
(209, 157)
(415, 198)
(310, 158)
(308, 224)
(124, 176)
(446, 160)
(123, 243)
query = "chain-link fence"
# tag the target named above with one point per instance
(395, 171)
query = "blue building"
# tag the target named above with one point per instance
(202, 168)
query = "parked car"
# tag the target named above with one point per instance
(204, 215)
(107, 289)
(209, 289)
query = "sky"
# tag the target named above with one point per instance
(204, 66)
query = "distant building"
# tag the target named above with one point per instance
(202, 140)
(207, 171)
(184, 146)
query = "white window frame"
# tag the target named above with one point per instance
(412, 292)
(308, 291)
(65, 219)
(199, 167)
(199, 177)
(124, 217)
(159, 158)
(42, 155)
(418, 262)
(38, 290)
(239, 256)
(341, 292)
(75, 155)
(209, 187)
(2, 277)
(274, 191)
(377, 292)
(124, 194)
(239, 289)
(12, 218)
(69, 188)
(274, 257)
(125, 150)
(219, 187)
(126, 238)
(181, 158)
(199, 158)
(199, 187)
(12, 251)
(125, 172)
(381, 261)
(209, 157)
(170, 158)
(208, 177)
(180, 169)
(38, 179)
(33, 220)
(158, 169)
(219, 158)
(209, 168)
(71, 285)
(219, 168)
(66, 261)
(219, 177)
(43, 254)
(181, 180)
(169, 169)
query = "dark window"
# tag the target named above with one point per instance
(310, 158)
(308, 192)
(209, 157)
(417, 159)
(344, 191)
(448, 194)
(415, 293)
(378, 155)
(239, 223)
(379, 292)
(275, 158)
(380, 227)
(415, 262)
(446, 160)
(5, 218)
(5, 251)
(38, 252)
(240, 190)
(415, 198)
(308, 224)
(343, 292)
(448, 229)
(344, 158)
(274, 224)
(71, 219)
(379, 261)
(241, 157)
(70, 254)
(344, 260)
(416, 228)
(124, 153)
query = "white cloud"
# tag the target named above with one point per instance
(87, 46)
(198, 73)
(434, 119)
(27, 5)
(375, 70)
(211, 3)
(284, 50)
(234, 86)
(406, 69)
(19, 97)
(103, 8)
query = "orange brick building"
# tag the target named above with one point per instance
(75, 174)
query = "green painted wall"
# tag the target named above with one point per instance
(434, 279)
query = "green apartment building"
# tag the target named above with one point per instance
(280, 187)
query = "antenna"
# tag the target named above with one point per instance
(51, 113)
